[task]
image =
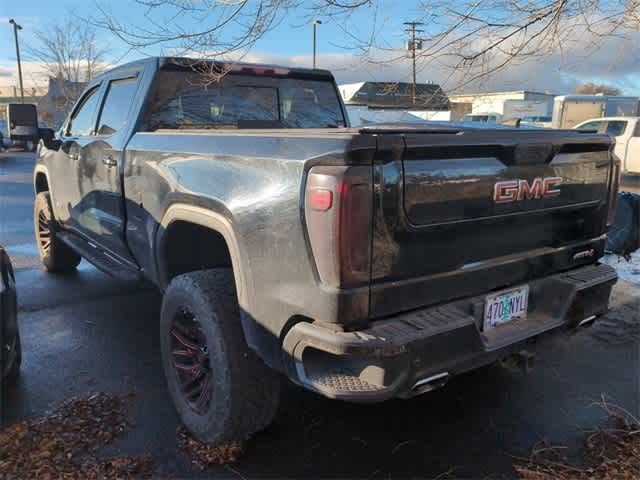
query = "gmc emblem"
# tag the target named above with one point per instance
(517, 190)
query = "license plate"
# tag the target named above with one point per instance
(506, 306)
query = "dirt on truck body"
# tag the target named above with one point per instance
(363, 264)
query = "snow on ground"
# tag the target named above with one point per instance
(627, 269)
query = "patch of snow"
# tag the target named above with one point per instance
(627, 270)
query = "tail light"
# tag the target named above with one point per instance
(338, 216)
(613, 190)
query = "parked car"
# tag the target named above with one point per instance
(362, 263)
(570, 110)
(4, 135)
(543, 121)
(626, 131)
(10, 336)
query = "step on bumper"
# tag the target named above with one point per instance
(417, 351)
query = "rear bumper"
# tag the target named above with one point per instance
(411, 353)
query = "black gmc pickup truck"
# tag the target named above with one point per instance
(363, 264)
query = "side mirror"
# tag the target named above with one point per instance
(48, 137)
(23, 121)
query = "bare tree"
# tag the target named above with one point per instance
(468, 39)
(476, 38)
(592, 88)
(70, 54)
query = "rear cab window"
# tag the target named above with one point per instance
(187, 99)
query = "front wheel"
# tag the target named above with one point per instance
(222, 391)
(55, 255)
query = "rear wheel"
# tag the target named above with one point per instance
(222, 391)
(55, 255)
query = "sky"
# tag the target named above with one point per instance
(290, 43)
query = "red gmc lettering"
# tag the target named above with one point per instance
(529, 192)
(550, 182)
(518, 190)
(505, 192)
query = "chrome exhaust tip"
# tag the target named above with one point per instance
(430, 383)
(587, 321)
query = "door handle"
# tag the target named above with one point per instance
(109, 161)
(74, 156)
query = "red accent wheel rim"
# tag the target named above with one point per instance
(44, 232)
(190, 360)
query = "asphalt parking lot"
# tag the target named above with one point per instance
(90, 333)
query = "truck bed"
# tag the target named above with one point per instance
(437, 232)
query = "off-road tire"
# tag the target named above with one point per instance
(244, 392)
(55, 255)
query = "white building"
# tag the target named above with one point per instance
(519, 103)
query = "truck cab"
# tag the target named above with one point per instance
(626, 132)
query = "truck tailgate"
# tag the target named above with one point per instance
(463, 211)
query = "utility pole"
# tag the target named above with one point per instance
(17, 27)
(413, 45)
(315, 23)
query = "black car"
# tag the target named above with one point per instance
(10, 337)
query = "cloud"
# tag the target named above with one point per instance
(32, 73)
(616, 62)
(346, 67)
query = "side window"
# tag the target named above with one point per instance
(116, 105)
(591, 125)
(81, 123)
(616, 127)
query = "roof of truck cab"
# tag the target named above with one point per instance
(234, 66)
(608, 119)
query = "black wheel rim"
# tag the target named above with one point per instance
(190, 360)
(44, 232)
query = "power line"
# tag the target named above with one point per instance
(413, 45)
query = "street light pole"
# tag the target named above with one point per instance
(315, 23)
(17, 27)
